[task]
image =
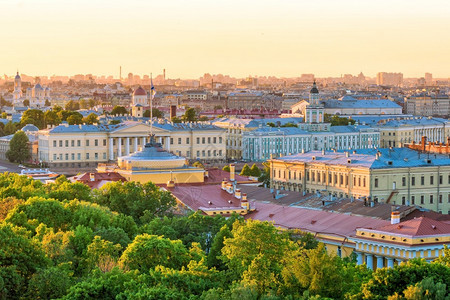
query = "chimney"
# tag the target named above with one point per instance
(323, 151)
(91, 176)
(347, 154)
(237, 194)
(224, 184)
(424, 141)
(232, 172)
(229, 188)
(395, 217)
(170, 184)
(244, 202)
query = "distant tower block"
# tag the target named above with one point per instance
(120, 73)
(173, 111)
(164, 74)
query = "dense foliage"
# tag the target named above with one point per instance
(125, 241)
(19, 148)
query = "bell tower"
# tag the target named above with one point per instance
(314, 112)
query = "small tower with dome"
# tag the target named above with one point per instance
(17, 94)
(314, 112)
(138, 101)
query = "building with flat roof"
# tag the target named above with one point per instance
(260, 144)
(397, 132)
(428, 105)
(349, 105)
(397, 175)
(87, 145)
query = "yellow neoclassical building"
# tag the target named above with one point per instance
(392, 244)
(87, 145)
(154, 164)
(396, 176)
(398, 132)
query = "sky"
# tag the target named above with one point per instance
(188, 38)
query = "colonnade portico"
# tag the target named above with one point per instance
(120, 146)
(432, 134)
(380, 260)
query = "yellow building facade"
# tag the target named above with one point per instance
(87, 145)
(397, 176)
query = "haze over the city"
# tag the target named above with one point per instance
(189, 38)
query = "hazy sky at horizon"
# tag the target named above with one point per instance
(192, 37)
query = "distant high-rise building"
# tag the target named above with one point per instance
(307, 78)
(428, 78)
(394, 79)
(130, 78)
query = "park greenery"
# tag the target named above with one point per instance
(128, 241)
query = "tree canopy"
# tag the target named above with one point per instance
(64, 241)
(19, 148)
(119, 110)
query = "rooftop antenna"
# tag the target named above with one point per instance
(152, 89)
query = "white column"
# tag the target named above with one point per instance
(144, 141)
(399, 261)
(380, 263)
(135, 147)
(119, 147)
(390, 262)
(160, 139)
(127, 145)
(359, 258)
(168, 143)
(369, 261)
(111, 149)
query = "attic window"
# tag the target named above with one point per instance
(437, 240)
(393, 238)
(382, 236)
(271, 215)
(433, 226)
(313, 221)
(422, 241)
(404, 240)
(389, 162)
(362, 233)
(372, 235)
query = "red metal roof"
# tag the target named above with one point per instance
(315, 221)
(422, 226)
(140, 92)
(96, 180)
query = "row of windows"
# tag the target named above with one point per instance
(76, 155)
(421, 200)
(333, 178)
(208, 153)
(72, 143)
(203, 140)
(422, 180)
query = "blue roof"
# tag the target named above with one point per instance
(30, 127)
(418, 121)
(348, 128)
(389, 158)
(333, 103)
(275, 130)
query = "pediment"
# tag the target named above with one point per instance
(137, 129)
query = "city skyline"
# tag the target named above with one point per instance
(240, 38)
